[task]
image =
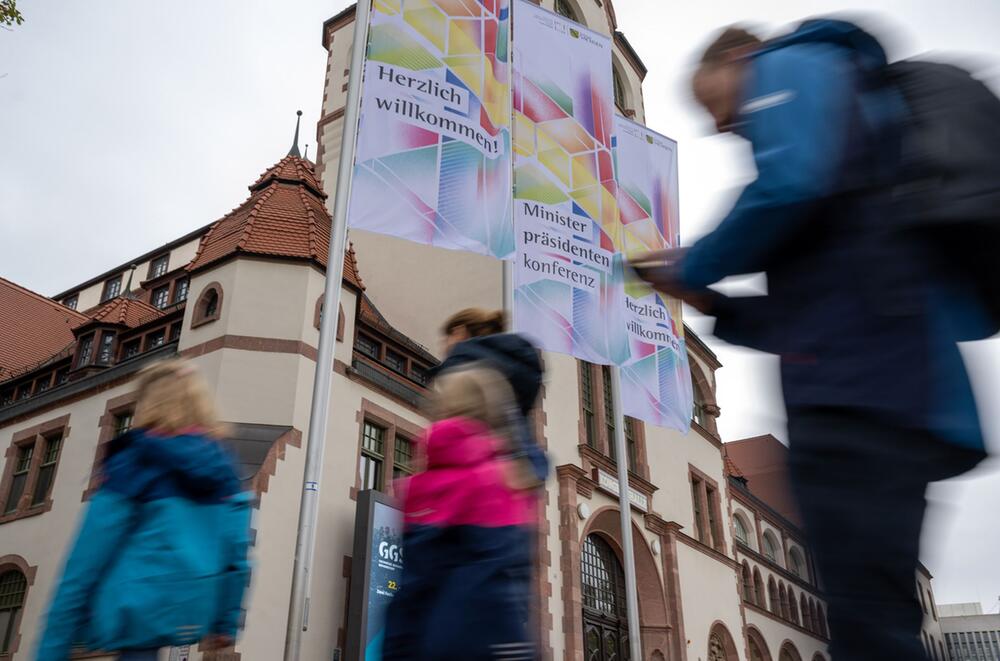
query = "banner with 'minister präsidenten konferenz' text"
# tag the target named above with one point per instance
(568, 271)
(433, 148)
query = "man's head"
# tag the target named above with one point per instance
(718, 81)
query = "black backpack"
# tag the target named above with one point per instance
(948, 188)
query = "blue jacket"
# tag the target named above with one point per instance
(858, 315)
(161, 556)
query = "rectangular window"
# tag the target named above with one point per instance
(106, 352)
(181, 286)
(7, 397)
(42, 384)
(62, 376)
(122, 422)
(112, 288)
(71, 301)
(24, 391)
(156, 339)
(47, 469)
(609, 409)
(403, 457)
(698, 506)
(131, 348)
(368, 346)
(160, 296)
(587, 402)
(714, 533)
(372, 456)
(158, 266)
(175, 331)
(22, 464)
(630, 443)
(85, 351)
(419, 374)
(395, 361)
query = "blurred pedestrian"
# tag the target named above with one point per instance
(467, 533)
(865, 323)
(477, 335)
(161, 556)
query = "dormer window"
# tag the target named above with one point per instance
(85, 351)
(106, 352)
(71, 301)
(160, 297)
(158, 266)
(181, 289)
(112, 288)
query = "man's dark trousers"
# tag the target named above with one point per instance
(861, 483)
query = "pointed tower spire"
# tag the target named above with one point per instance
(128, 286)
(306, 156)
(294, 151)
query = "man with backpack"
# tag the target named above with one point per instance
(863, 309)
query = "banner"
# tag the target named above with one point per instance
(433, 150)
(655, 378)
(567, 276)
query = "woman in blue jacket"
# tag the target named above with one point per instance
(161, 556)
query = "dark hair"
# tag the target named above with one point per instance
(731, 38)
(477, 322)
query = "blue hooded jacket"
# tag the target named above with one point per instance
(161, 556)
(858, 314)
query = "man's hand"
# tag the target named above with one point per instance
(662, 270)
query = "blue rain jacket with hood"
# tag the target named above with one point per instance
(858, 315)
(161, 556)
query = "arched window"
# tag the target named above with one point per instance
(700, 413)
(605, 624)
(758, 583)
(13, 585)
(564, 8)
(720, 645)
(793, 606)
(741, 530)
(807, 618)
(770, 547)
(209, 305)
(783, 601)
(797, 564)
(789, 653)
(757, 646)
(813, 617)
(772, 589)
(621, 99)
(748, 591)
(821, 616)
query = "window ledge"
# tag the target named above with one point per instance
(27, 513)
(777, 618)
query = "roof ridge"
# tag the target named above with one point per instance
(248, 226)
(311, 214)
(45, 299)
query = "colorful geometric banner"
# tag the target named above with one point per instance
(433, 149)
(567, 277)
(656, 377)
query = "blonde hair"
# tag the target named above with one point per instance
(476, 321)
(475, 392)
(174, 397)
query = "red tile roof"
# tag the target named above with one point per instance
(284, 217)
(124, 311)
(33, 328)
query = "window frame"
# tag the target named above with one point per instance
(71, 301)
(598, 420)
(395, 427)
(15, 563)
(201, 315)
(84, 351)
(163, 290)
(706, 500)
(109, 284)
(105, 354)
(764, 537)
(158, 266)
(37, 439)
(566, 10)
(177, 287)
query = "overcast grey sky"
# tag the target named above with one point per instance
(126, 123)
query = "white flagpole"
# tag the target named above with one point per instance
(319, 415)
(624, 504)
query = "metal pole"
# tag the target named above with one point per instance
(624, 504)
(319, 415)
